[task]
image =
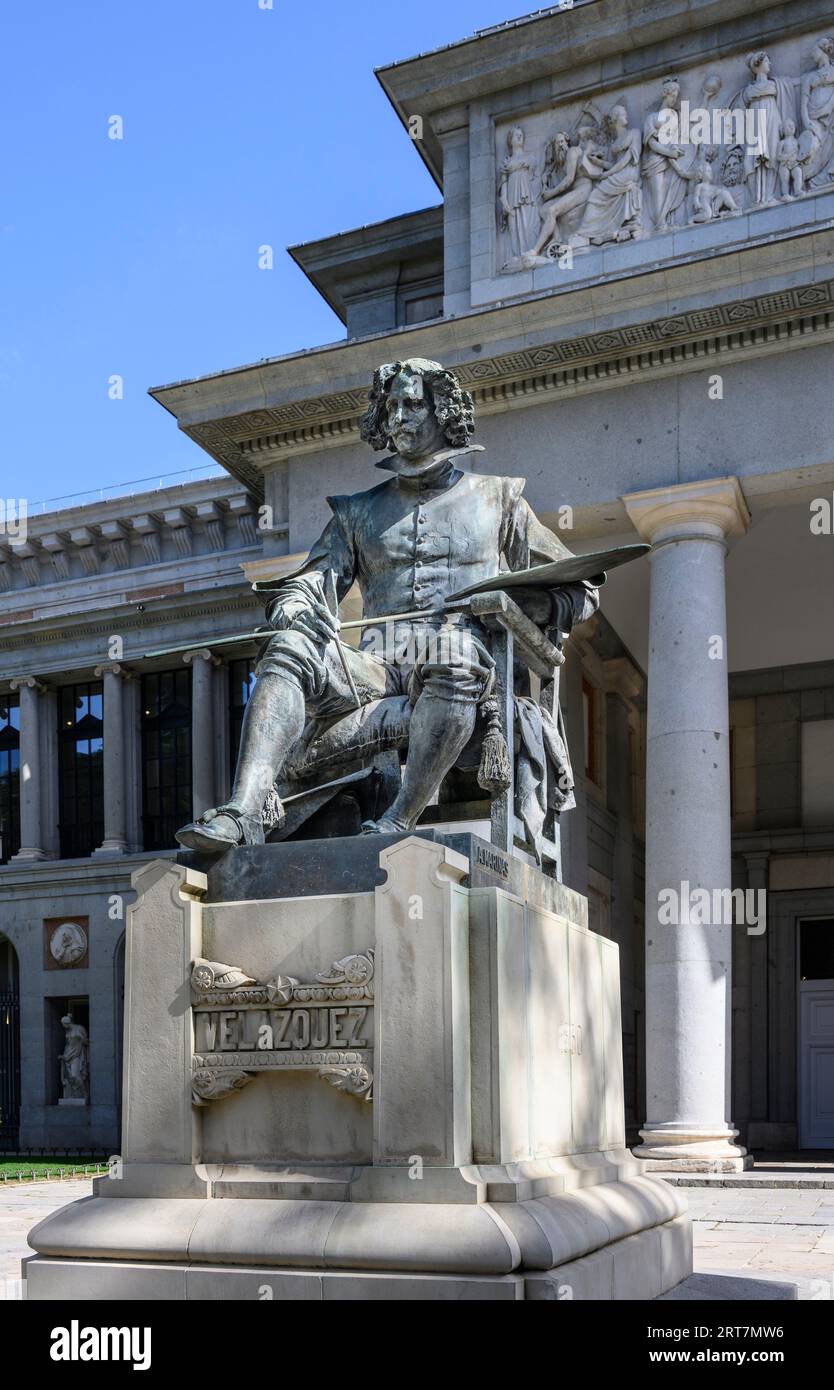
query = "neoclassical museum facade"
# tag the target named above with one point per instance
(631, 268)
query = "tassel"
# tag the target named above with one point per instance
(273, 811)
(494, 773)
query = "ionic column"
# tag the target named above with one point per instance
(688, 964)
(31, 828)
(113, 677)
(203, 782)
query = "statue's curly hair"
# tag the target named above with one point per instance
(453, 406)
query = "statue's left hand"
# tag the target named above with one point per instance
(534, 603)
(547, 608)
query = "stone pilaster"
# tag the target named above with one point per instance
(688, 956)
(31, 826)
(452, 130)
(203, 761)
(113, 677)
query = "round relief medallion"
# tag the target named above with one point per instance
(68, 943)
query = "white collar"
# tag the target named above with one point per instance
(394, 463)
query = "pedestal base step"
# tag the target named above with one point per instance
(641, 1266)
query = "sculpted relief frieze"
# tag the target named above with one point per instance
(753, 131)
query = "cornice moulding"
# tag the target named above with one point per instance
(74, 635)
(609, 39)
(774, 322)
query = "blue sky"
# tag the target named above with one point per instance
(139, 257)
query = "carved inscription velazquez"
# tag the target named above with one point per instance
(242, 1027)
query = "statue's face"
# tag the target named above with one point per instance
(412, 424)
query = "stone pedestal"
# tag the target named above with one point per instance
(403, 1079)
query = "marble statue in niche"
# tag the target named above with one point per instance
(519, 214)
(75, 1072)
(614, 207)
(816, 101)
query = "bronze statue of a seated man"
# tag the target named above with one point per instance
(409, 543)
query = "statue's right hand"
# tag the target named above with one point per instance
(301, 613)
(283, 612)
(317, 622)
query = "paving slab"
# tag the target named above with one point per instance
(773, 1237)
(22, 1206)
(726, 1288)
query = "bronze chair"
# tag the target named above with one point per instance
(349, 771)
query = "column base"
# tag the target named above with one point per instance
(110, 847)
(691, 1150)
(28, 856)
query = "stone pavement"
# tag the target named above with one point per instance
(749, 1243)
(22, 1206)
(781, 1234)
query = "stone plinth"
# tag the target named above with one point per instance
(403, 1084)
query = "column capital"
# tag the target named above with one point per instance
(31, 682)
(114, 668)
(710, 509)
(201, 654)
